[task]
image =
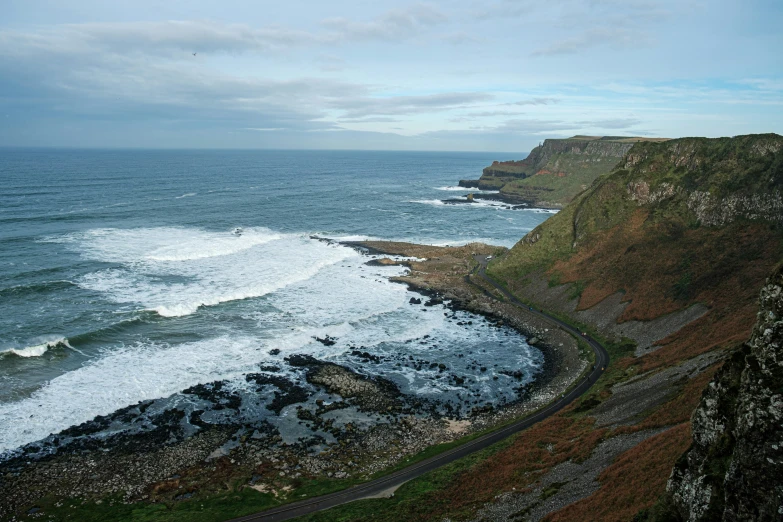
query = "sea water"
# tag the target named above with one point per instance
(133, 275)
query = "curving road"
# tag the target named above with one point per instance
(385, 486)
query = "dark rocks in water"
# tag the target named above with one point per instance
(288, 393)
(366, 356)
(469, 183)
(216, 393)
(518, 374)
(274, 351)
(415, 300)
(303, 361)
(434, 301)
(370, 394)
(326, 340)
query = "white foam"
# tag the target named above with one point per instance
(36, 350)
(174, 271)
(107, 384)
(188, 195)
(434, 202)
(310, 288)
(347, 300)
(465, 189)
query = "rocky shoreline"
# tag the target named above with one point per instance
(352, 425)
(510, 201)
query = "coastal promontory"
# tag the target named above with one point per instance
(555, 171)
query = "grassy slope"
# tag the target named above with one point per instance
(565, 176)
(663, 260)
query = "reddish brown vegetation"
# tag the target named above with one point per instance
(634, 482)
(520, 465)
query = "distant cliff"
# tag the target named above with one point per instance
(555, 171)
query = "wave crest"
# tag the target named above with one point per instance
(37, 350)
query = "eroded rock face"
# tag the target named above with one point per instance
(734, 469)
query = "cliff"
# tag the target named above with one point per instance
(734, 468)
(555, 171)
(663, 257)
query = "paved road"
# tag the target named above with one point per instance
(382, 486)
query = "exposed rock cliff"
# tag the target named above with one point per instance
(555, 171)
(734, 469)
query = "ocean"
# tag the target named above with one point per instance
(130, 276)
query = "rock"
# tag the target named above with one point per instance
(734, 468)
(414, 300)
(326, 340)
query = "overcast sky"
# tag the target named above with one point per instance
(457, 75)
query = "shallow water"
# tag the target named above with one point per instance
(128, 276)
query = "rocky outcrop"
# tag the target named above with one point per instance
(719, 181)
(734, 468)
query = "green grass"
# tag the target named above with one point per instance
(215, 508)
(560, 190)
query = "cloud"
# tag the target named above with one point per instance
(126, 72)
(330, 63)
(617, 123)
(460, 38)
(378, 119)
(533, 126)
(535, 101)
(183, 37)
(162, 38)
(506, 9)
(611, 36)
(393, 25)
(363, 106)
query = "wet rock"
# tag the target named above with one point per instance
(326, 340)
(287, 392)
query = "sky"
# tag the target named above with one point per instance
(462, 75)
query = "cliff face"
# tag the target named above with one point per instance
(555, 171)
(734, 469)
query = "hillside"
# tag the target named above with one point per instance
(665, 256)
(555, 171)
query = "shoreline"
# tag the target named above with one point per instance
(176, 472)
